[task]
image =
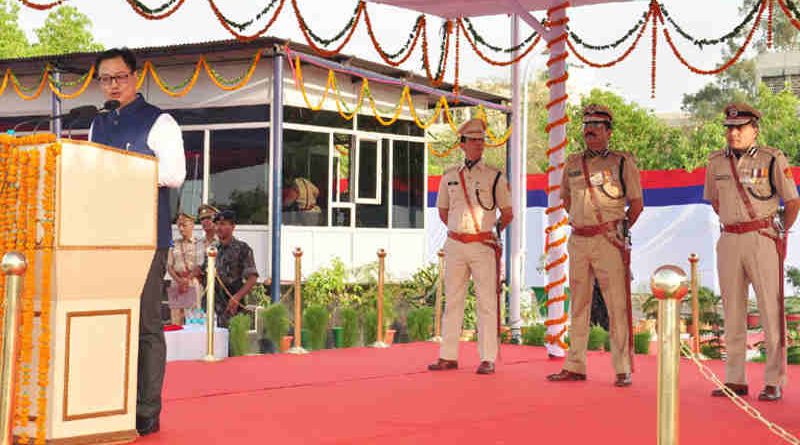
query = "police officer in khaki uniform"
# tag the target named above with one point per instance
(744, 183)
(469, 197)
(595, 188)
(206, 214)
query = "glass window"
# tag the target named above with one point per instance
(305, 178)
(377, 214)
(221, 115)
(189, 196)
(408, 184)
(322, 118)
(342, 147)
(368, 175)
(239, 168)
(368, 122)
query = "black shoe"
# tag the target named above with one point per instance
(147, 425)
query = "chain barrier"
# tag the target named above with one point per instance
(738, 401)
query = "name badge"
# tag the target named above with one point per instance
(596, 179)
(452, 183)
(722, 177)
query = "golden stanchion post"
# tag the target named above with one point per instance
(298, 305)
(669, 285)
(381, 271)
(693, 259)
(14, 267)
(211, 319)
(437, 337)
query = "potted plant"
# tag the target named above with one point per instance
(273, 325)
(420, 323)
(534, 335)
(349, 320)
(315, 319)
(238, 340)
(370, 327)
(641, 342)
(597, 338)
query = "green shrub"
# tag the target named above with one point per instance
(641, 342)
(420, 323)
(597, 338)
(370, 327)
(349, 320)
(607, 343)
(712, 349)
(793, 355)
(534, 335)
(274, 323)
(237, 335)
(315, 319)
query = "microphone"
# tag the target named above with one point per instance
(85, 111)
(110, 106)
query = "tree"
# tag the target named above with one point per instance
(13, 42)
(444, 137)
(636, 130)
(738, 83)
(65, 30)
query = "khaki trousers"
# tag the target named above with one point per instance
(461, 261)
(590, 258)
(744, 259)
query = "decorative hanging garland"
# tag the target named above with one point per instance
(791, 11)
(444, 49)
(705, 42)
(728, 63)
(42, 6)
(407, 48)
(479, 39)
(57, 89)
(245, 38)
(19, 226)
(235, 83)
(338, 36)
(486, 58)
(621, 57)
(307, 32)
(156, 13)
(577, 39)
(475, 39)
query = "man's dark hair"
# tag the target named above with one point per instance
(127, 56)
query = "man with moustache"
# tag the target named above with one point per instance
(142, 128)
(745, 183)
(596, 186)
(469, 197)
(206, 214)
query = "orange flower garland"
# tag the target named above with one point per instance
(19, 228)
(48, 228)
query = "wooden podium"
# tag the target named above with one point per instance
(104, 241)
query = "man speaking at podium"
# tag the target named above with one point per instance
(143, 128)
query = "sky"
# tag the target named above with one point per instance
(116, 24)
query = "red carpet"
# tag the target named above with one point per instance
(368, 396)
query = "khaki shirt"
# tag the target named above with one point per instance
(185, 255)
(604, 177)
(203, 244)
(307, 194)
(479, 181)
(754, 173)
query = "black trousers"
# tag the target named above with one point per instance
(152, 347)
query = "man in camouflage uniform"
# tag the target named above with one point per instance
(595, 188)
(469, 197)
(745, 183)
(236, 269)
